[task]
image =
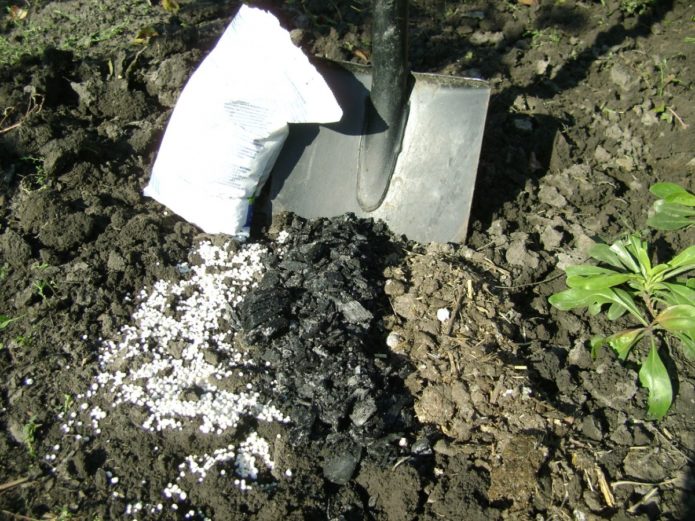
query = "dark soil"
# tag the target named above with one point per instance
(328, 369)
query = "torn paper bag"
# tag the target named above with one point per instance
(230, 122)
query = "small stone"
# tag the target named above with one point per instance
(340, 468)
(297, 35)
(550, 195)
(115, 262)
(362, 411)
(408, 306)
(649, 119)
(551, 238)
(486, 38)
(519, 255)
(442, 446)
(691, 165)
(590, 429)
(355, 313)
(422, 447)
(601, 155)
(623, 77)
(393, 341)
(394, 288)
(542, 66)
(626, 163)
(580, 356)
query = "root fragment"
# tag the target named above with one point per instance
(34, 106)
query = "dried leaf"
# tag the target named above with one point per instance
(144, 35)
(171, 6)
(361, 54)
(16, 13)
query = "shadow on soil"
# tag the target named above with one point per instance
(502, 174)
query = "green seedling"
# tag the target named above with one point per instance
(29, 432)
(674, 209)
(666, 78)
(41, 286)
(64, 514)
(659, 298)
(38, 179)
(6, 321)
(636, 6)
(171, 6)
(543, 36)
(68, 402)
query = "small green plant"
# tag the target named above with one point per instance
(41, 286)
(659, 298)
(636, 6)
(674, 209)
(37, 179)
(539, 37)
(29, 432)
(6, 321)
(68, 402)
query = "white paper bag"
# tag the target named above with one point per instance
(230, 122)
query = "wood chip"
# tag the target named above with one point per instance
(603, 486)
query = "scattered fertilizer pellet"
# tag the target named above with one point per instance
(443, 314)
(161, 365)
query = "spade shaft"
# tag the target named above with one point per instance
(386, 113)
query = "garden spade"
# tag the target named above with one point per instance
(406, 150)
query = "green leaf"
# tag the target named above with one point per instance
(654, 377)
(615, 311)
(621, 251)
(688, 345)
(623, 341)
(670, 216)
(684, 258)
(666, 190)
(596, 343)
(607, 280)
(677, 319)
(626, 300)
(674, 294)
(659, 269)
(638, 248)
(570, 299)
(673, 193)
(603, 253)
(594, 299)
(587, 270)
(5, 321)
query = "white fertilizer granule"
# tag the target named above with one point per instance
(175, 362)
